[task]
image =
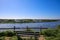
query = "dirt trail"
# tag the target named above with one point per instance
(41, 37)
(7, 38)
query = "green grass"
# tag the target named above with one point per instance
(14, 38)
(2, 38)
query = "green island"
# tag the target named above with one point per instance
(26, 20)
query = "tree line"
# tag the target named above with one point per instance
(25, 20)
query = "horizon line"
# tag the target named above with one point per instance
(33, 18)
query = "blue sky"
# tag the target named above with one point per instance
(30, 9)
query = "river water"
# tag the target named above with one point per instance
(24, 25)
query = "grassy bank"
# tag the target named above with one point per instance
(49, 34)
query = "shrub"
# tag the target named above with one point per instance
(10, 33)
(7, 33)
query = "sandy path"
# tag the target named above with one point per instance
(7, 38)
(41, 37)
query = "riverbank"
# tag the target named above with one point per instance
(49, 34)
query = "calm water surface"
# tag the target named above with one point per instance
(23, 25)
